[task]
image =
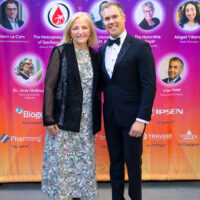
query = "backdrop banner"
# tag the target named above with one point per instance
(171, 140)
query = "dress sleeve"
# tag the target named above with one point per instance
(51, 78)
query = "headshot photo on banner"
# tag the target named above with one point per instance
(134, 73)
(13, 15)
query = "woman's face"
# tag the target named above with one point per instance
(148, 12)
(80, 31)
(190, 12)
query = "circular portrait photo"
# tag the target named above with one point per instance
(13, 15)
(56, 15)
(96, 15)
(148, 15)
(28, 71)
(188, 16)
(172, 70)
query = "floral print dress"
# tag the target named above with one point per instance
(69, 159)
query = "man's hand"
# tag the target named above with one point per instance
(137, 129)
(52, 130)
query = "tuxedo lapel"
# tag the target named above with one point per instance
(103, 63)
(125, 46)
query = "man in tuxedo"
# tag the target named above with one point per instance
(11, 21)
(175, 69)
(129, 86)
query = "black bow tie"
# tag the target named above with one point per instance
(111, 42)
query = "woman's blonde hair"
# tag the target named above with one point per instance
(67, 39)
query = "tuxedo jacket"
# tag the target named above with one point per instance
(6, 23)
(167, 79)
(130, 92)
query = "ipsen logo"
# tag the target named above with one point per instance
(4, 138)
(28, 114)
(172, 111)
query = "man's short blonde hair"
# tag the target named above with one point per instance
(113, 3)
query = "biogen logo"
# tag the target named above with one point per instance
(172, 111)
(28, 114)
(19, 110)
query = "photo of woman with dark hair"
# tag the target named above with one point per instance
(190, 16)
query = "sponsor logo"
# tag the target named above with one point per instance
(155, 136)
(57, 14)
(26, 139)
(189, 139)
(19, 110)
(172, 111)
(4, 138)
(189, 136)
(145, 136)
(29, 114)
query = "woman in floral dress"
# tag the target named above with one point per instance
(72, 114)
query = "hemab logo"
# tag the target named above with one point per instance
(28, 114)
(189, 136)
(4, 138)
(172, 111)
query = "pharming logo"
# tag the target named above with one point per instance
(4, 138)
(19, 110)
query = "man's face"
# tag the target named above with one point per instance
(11, 10)
(175, 69)
(114, 21)
(27, 67)
(148, 12)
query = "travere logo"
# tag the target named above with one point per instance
(29, 114)
(4, 138)
(156, 136)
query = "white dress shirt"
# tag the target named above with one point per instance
(111, 55)
(15, 24)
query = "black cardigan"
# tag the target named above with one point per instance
(63, 93)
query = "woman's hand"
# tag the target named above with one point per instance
(52, 130)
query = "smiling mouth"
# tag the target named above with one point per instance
(172, 74)
(113, 27)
